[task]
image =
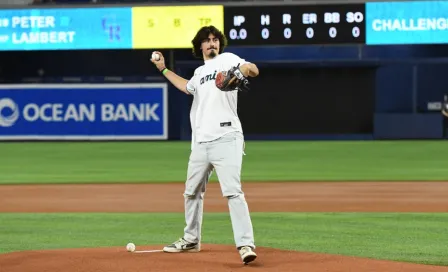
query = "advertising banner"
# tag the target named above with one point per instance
(420, 22)
(84, 112)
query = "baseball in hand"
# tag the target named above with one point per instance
(130, 247)
(155, 56)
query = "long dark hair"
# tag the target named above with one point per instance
(202, 35)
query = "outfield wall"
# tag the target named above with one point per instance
(310, 92)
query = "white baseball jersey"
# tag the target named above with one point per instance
(214, 112)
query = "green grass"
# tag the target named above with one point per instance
(167, 161)
(419, 238)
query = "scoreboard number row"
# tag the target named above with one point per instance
(287, 33)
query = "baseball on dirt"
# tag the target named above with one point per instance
(155, 56)
(130, 247)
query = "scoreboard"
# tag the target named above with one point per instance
(371, 23)
(295, 25)
(250, 24)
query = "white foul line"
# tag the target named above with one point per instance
(148, 251)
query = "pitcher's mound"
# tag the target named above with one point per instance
(214, 258)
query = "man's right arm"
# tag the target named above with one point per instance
(445, 106)
(179, 82)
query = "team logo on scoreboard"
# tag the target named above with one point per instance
(111, 28)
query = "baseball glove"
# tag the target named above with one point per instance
(232, 80)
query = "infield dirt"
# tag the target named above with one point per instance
(262, 197)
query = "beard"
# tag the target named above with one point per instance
(212, 53)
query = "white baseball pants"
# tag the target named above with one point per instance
(225, 155)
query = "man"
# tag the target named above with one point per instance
(217, 141)
(445, 113)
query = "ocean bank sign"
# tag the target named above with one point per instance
(83, 111)
(420, 22)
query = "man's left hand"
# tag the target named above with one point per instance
(232, 80)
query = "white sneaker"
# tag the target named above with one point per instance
(247, 254)
(182, 245)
